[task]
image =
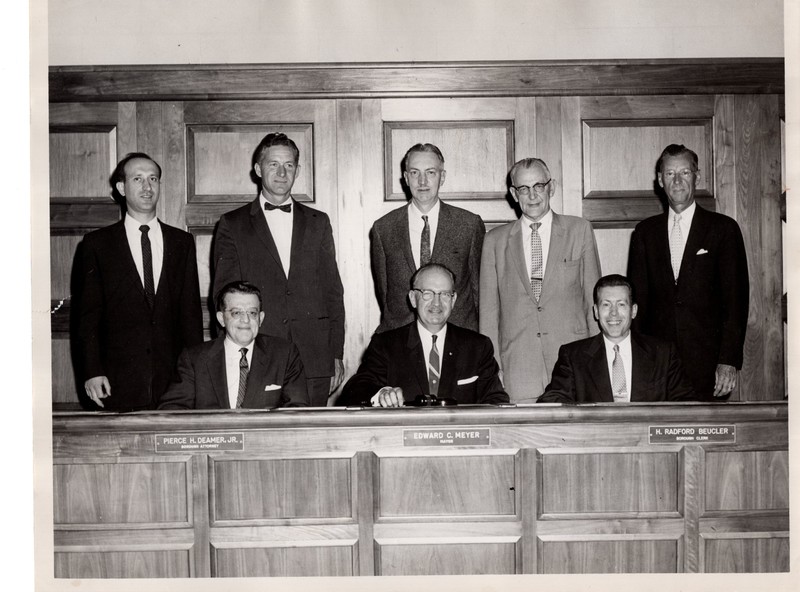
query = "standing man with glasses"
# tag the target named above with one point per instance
(424, 231)
(286, 249)
(689, 269)
(137, 297)
(240, 369)
(428, 356)
(537, 277)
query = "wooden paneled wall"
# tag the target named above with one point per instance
(600, 126)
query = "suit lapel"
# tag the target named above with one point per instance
(555, 252)
(168, 263)
(516, 254)
(661, 253)
(256, 377)
(447, 369)
(298, 235)
(404, 242)
(642, 371)
(695, 240)
(415, 352)
(598, 369)
(218, 372)
(260, 228)
(445, 233)
(130, 275)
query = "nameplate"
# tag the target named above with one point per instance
(693, 433)
(450, 437)
(200, 441)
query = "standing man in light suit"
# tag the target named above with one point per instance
(537, 277)
(286, 249)
(689, 269)
(426, 230)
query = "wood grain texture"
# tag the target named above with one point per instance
(292, 488)
(122, 564)
(586, 77)
(692, 500)
(631, 483)
(145, 493)
(451, 559)
(81, 161)
(651, 107)
(747, 555)
(173, 184)
(587, 557)
(747, 480)
(431, 486)
(284, 562)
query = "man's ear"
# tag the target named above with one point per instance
(120, 188)
(634, 310)
(261, 316)
(594, 310)
(551, 188)
(257, 169)
(220, 318)
(441, 178)
(412, 297)
(660, 180)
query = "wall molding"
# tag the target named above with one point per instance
(424, 79)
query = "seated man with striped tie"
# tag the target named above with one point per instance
(240, 369)
(427, 357)
(619, 365)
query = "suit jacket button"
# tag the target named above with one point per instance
(285, 321)
(538, 335)
(539, 308)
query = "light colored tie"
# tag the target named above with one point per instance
(676, 246)
(536, 260)
(618, 378)
(425, 244)
(433, 369)
(243, 370)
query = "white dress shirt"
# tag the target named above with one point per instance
(280, 225)
(416, 224)
(685, 223)
(627, 360)
(544, 233)
(134, 236)
(232, 357)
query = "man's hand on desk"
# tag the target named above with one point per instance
(98, 388)
(725, 380)
(388, 396)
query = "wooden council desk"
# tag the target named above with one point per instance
(475, 490)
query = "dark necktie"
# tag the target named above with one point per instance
(618, 378)
(147, 266)
(425, 244)
(536, 260)
(243, 369)
(433, 369)
(287, 207)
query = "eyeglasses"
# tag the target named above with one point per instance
(536, 188)
(685, 173)
(242, 315)
(427, 295)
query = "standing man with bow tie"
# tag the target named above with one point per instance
(138, 298)
(286, 249)
(689, 269)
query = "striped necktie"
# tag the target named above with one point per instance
(243, 370)
(433, 369)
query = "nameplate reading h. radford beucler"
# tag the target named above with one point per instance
(693, 433)
(447, 437)
(199, 441)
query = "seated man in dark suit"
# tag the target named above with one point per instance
(428, 356)
(240, 369)
(617, 365)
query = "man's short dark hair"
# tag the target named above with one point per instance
(275, 139)
(118, 176)
(676, 150)
(614, 280)
(431, 266)
(238, 287)
(526, 163)
(432, 148)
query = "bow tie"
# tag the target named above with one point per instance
(287, 207)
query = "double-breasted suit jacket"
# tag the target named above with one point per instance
(526, 334)
(581, 373)
(119, 336)
(275, 378)
(458, 244)
(305, 308)
(705, 312)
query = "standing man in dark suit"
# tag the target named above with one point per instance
(427, 357)
(286, 249)
(240, 369)
(537, 276)
(689, 269)
(139, 299)
(424, 231)
(619, 365)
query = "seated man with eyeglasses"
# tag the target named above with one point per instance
(429, 358)
(241, 369)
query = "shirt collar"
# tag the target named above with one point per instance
(686, 215)
(425, 334)
(231, 347)
(262, 200)
(625, 343)
(134, 224)
(432, 213)
(545, 220)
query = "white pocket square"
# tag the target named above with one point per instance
(702, 252)
(272, 387)
(469, 380)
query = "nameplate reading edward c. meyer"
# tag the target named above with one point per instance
(693, 433)
(199, 441)
(448, 437)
